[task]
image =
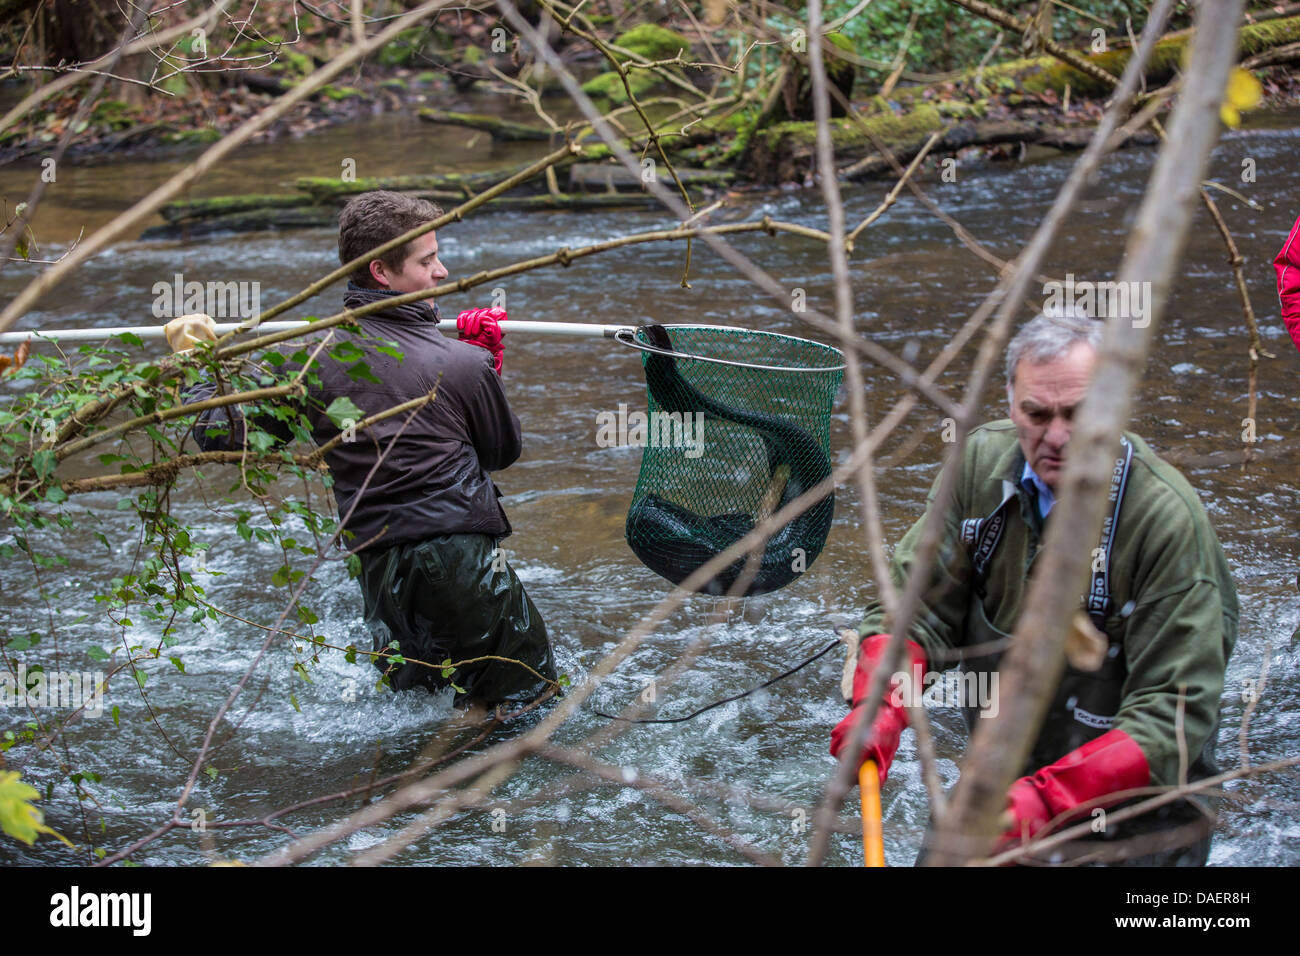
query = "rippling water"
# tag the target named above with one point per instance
(567, 498)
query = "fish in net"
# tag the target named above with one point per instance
(760, 404)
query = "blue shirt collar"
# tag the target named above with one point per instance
(1029, 478)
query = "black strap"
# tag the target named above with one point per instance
(1099, 593)
(982, 536)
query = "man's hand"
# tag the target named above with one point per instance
(891, 716)
(1111, 763)
(482, 327)
(189, 330)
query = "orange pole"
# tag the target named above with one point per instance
(873, 837)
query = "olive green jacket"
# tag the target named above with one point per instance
(1173, 606)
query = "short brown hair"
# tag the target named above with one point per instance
(374, 218)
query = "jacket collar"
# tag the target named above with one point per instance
(1010, 464)
(356, 296)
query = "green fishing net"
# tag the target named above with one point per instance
(738, 426)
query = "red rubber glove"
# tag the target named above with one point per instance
(482, 327)
(1287, 266)
(1109, 764)
(891, 715)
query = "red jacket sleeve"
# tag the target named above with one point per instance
(1287, 265)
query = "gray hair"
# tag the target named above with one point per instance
(1051, 335)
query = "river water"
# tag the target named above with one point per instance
(567, 498)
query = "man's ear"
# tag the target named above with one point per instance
(379, 273)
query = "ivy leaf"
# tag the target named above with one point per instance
(342, 410)
(44, 462)
(361, 373)
(260, 441)
(347, 351)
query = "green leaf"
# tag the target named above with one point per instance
(293, 699)
(18, 817)
(44, 462)
(347, 351)
(96, 653)
(260, 441)
(117, 712)
(361, 373)
(343, 409)
(180, 665)
(141, 677)
(211, 772)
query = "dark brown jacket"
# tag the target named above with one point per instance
(434, 478)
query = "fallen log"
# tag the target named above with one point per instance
(185, 210)
(237, 214)
(611, 178)
(500, 129)
(961, 109)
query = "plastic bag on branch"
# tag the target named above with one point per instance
(739, 426)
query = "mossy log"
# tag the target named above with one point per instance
(184, 210)
(240, 214)
(249, 219)
(787, 152)
(1039, 74)
(500, 129)
(328, 189)
(586, 177)
(784, 152)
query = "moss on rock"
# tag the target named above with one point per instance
(652, 42)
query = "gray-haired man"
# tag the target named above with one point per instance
(1161, 593)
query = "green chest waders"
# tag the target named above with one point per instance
(1086, 702)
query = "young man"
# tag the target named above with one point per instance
(414, 490)
(1161, 594)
